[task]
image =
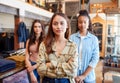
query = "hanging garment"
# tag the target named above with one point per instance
(22, 32)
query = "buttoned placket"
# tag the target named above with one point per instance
(80, 54)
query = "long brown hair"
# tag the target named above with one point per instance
(50, 36)
(32, 36)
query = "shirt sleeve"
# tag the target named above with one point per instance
(69, 67)
(95, 53)
(41, 60)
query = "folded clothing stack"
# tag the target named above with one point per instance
(20, 60)
(6, 65)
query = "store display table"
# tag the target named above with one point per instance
(109, 68)
(10, 72)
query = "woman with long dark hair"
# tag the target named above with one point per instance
(32, 48)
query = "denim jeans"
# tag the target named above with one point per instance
(55, 80)
(91, 81)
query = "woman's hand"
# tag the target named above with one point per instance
(48, 64)
(30, 68)
(70, 60)
(79, 79)
(33, 78)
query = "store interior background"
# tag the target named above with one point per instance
(105, 16)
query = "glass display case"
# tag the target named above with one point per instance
(113, 35)
(97, 29)
(117, 45)
(110, 41)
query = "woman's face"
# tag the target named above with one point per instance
(37, 28)
(59, 25)
(83, 23)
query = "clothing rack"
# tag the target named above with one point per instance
(6, 41)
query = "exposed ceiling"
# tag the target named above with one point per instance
(105, 6)
(99, 1)
(91, 1)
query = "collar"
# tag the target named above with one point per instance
(87, 36)
(53, 45)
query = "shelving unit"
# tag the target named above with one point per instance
(110, 46)
(117, 45)
(110, 41)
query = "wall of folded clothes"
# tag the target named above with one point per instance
(12, 65)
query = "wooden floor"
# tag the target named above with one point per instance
(99, 77)
(98, 72)
(108, 75)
